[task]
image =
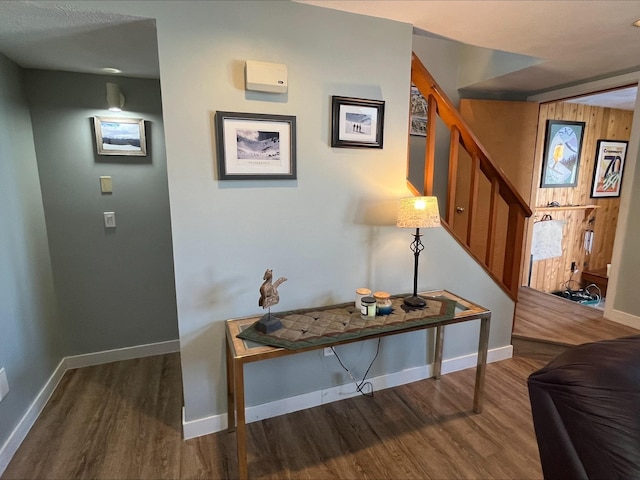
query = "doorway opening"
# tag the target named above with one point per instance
(575, 218)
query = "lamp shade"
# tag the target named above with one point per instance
(418, 212)
(115, 98)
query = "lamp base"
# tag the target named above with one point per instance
(415, 301)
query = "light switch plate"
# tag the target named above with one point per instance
(110, 219)
(106, 184)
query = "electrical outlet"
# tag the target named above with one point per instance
(4, 384)
(328, 351)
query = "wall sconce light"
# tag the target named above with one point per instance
(115, 98)
(417, 212)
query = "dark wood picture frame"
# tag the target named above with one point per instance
(356, 122)
(255, 146)
(562, 149)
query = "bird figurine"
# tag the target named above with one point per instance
(269, 297)
(269, 290)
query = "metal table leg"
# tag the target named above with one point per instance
(241, 428)
(437, 360)
(483, 347)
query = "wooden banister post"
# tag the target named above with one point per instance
(430, 151)
(473, 195)
(454, 146)
(493, 218)
(513, 248)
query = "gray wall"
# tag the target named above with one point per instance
(115, 288)
(329, 232)
(30, 332)
(626, 296)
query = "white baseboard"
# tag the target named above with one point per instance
(624, 318)
(18, 435)
(203, 426)
(469, 361)
(119, 354)
(68, 363)
(216, 423)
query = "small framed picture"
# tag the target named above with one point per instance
(562, 146)
(120, 136)
(608, 169)
(254, 146)
(357, 122)
(419, 113)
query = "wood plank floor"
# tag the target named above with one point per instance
(123, 421)
(551, 318)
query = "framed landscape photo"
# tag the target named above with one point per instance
(608, 168)
(357, 122)
(254, 146)
(120, 136)
(563, 143)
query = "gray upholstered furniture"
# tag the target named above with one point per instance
(586, 411)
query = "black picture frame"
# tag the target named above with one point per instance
(562, 151)
(356, 122)
(608, 168)
(255, 146)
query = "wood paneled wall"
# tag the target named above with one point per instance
(600, 124)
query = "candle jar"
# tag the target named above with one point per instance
(368, 308)
(360, 293)
(383, 303)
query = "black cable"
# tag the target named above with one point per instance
(567, 284)
(360, 386)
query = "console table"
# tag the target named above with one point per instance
(239, 352)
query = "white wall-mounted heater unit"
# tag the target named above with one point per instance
(266, 77)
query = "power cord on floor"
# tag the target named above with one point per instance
(363, 387)
(597, 294)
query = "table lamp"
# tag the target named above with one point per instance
(417, 212)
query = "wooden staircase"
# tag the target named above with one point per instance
(495, 221)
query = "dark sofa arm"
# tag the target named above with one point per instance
(586, 411)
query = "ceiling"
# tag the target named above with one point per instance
(62, 36)
(574, 40)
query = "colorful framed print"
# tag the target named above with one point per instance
(561, 160)
(608, 168)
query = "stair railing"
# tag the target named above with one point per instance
(483, 169)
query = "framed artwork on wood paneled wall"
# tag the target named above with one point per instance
(562, 146)
(608, 168)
